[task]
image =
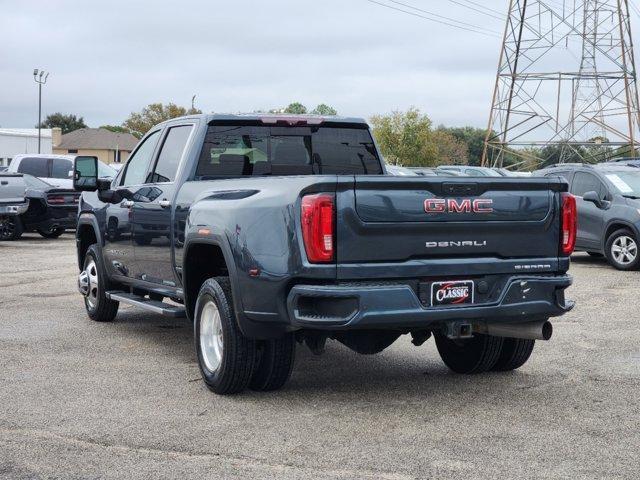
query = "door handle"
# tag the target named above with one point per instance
(164, 203)
(126, 204)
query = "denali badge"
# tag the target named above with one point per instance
(465, 205)
(452, 293)
(460, 243)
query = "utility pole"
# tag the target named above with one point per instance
(566, 86)
(40, 77)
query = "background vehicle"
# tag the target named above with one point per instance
(608, 202)
(470, 171)
(433, 172)
(56, 170)
(630, 162)
(30, 204)
(269, 230)
(399, 171)
(505, 172)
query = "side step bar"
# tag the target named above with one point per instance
(155, 306)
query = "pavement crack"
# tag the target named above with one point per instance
(243, 460)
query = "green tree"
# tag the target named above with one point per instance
(324, 109)
(66, 122)
(472, 137)
(296, 107)
(116, 128)
(406, 138)
(141, 122)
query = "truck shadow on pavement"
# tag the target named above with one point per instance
(401, 370)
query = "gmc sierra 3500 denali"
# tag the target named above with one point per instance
(267, 231)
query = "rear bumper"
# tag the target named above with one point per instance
(343, 307)
(14, 209)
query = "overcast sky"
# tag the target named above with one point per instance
(110, 58)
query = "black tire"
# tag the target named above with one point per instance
(595, 254)
(274, 363)
(102, 309)
(613, 242)
(236, 365)
(470, 356)
(11, 227)
(54, 233)
(142, 240)
(514, 353)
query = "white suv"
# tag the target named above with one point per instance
(56, 170)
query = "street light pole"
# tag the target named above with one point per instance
(40, 77)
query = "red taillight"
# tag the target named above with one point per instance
(318, 227)
(55, 199)
(569, 219)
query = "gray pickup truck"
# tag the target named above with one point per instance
(267, 231)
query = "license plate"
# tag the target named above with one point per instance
(455, 292)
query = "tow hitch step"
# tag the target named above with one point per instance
(175, 311)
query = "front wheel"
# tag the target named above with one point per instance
(471, 355)
(10, 227)
(622, 250)
(225, 356)
(93, 283)
(53, 233)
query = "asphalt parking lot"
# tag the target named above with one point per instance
(80, 399)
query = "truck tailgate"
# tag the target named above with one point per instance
(396, 219)
(12, 189)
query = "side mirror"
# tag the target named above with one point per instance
(85, 174)
(593, 197)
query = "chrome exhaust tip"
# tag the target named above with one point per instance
(538, 330)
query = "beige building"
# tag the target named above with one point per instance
(108, 146)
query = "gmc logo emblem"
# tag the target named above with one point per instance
(465, 205)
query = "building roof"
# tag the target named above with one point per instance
(97, 139)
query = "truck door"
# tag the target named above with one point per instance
(153, 210)
(118, 250)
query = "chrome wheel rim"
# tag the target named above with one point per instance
(7, 227)
(624, 250)
(91, 271)
(211, 339)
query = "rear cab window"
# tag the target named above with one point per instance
(171, 152)
(242, 150)
(61, 168)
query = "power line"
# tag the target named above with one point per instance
(483, 10)
(440, 16)
(474, 29)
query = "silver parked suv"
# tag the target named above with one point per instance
(608, 201)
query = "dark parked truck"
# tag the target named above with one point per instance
(267, 231)
(29, 204)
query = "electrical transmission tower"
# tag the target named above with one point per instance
(566, 87)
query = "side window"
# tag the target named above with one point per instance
(138, 164)
(169, 158)
(585, 182)
(38, 167)
(61, 168)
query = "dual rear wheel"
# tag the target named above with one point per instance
(482, 353)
